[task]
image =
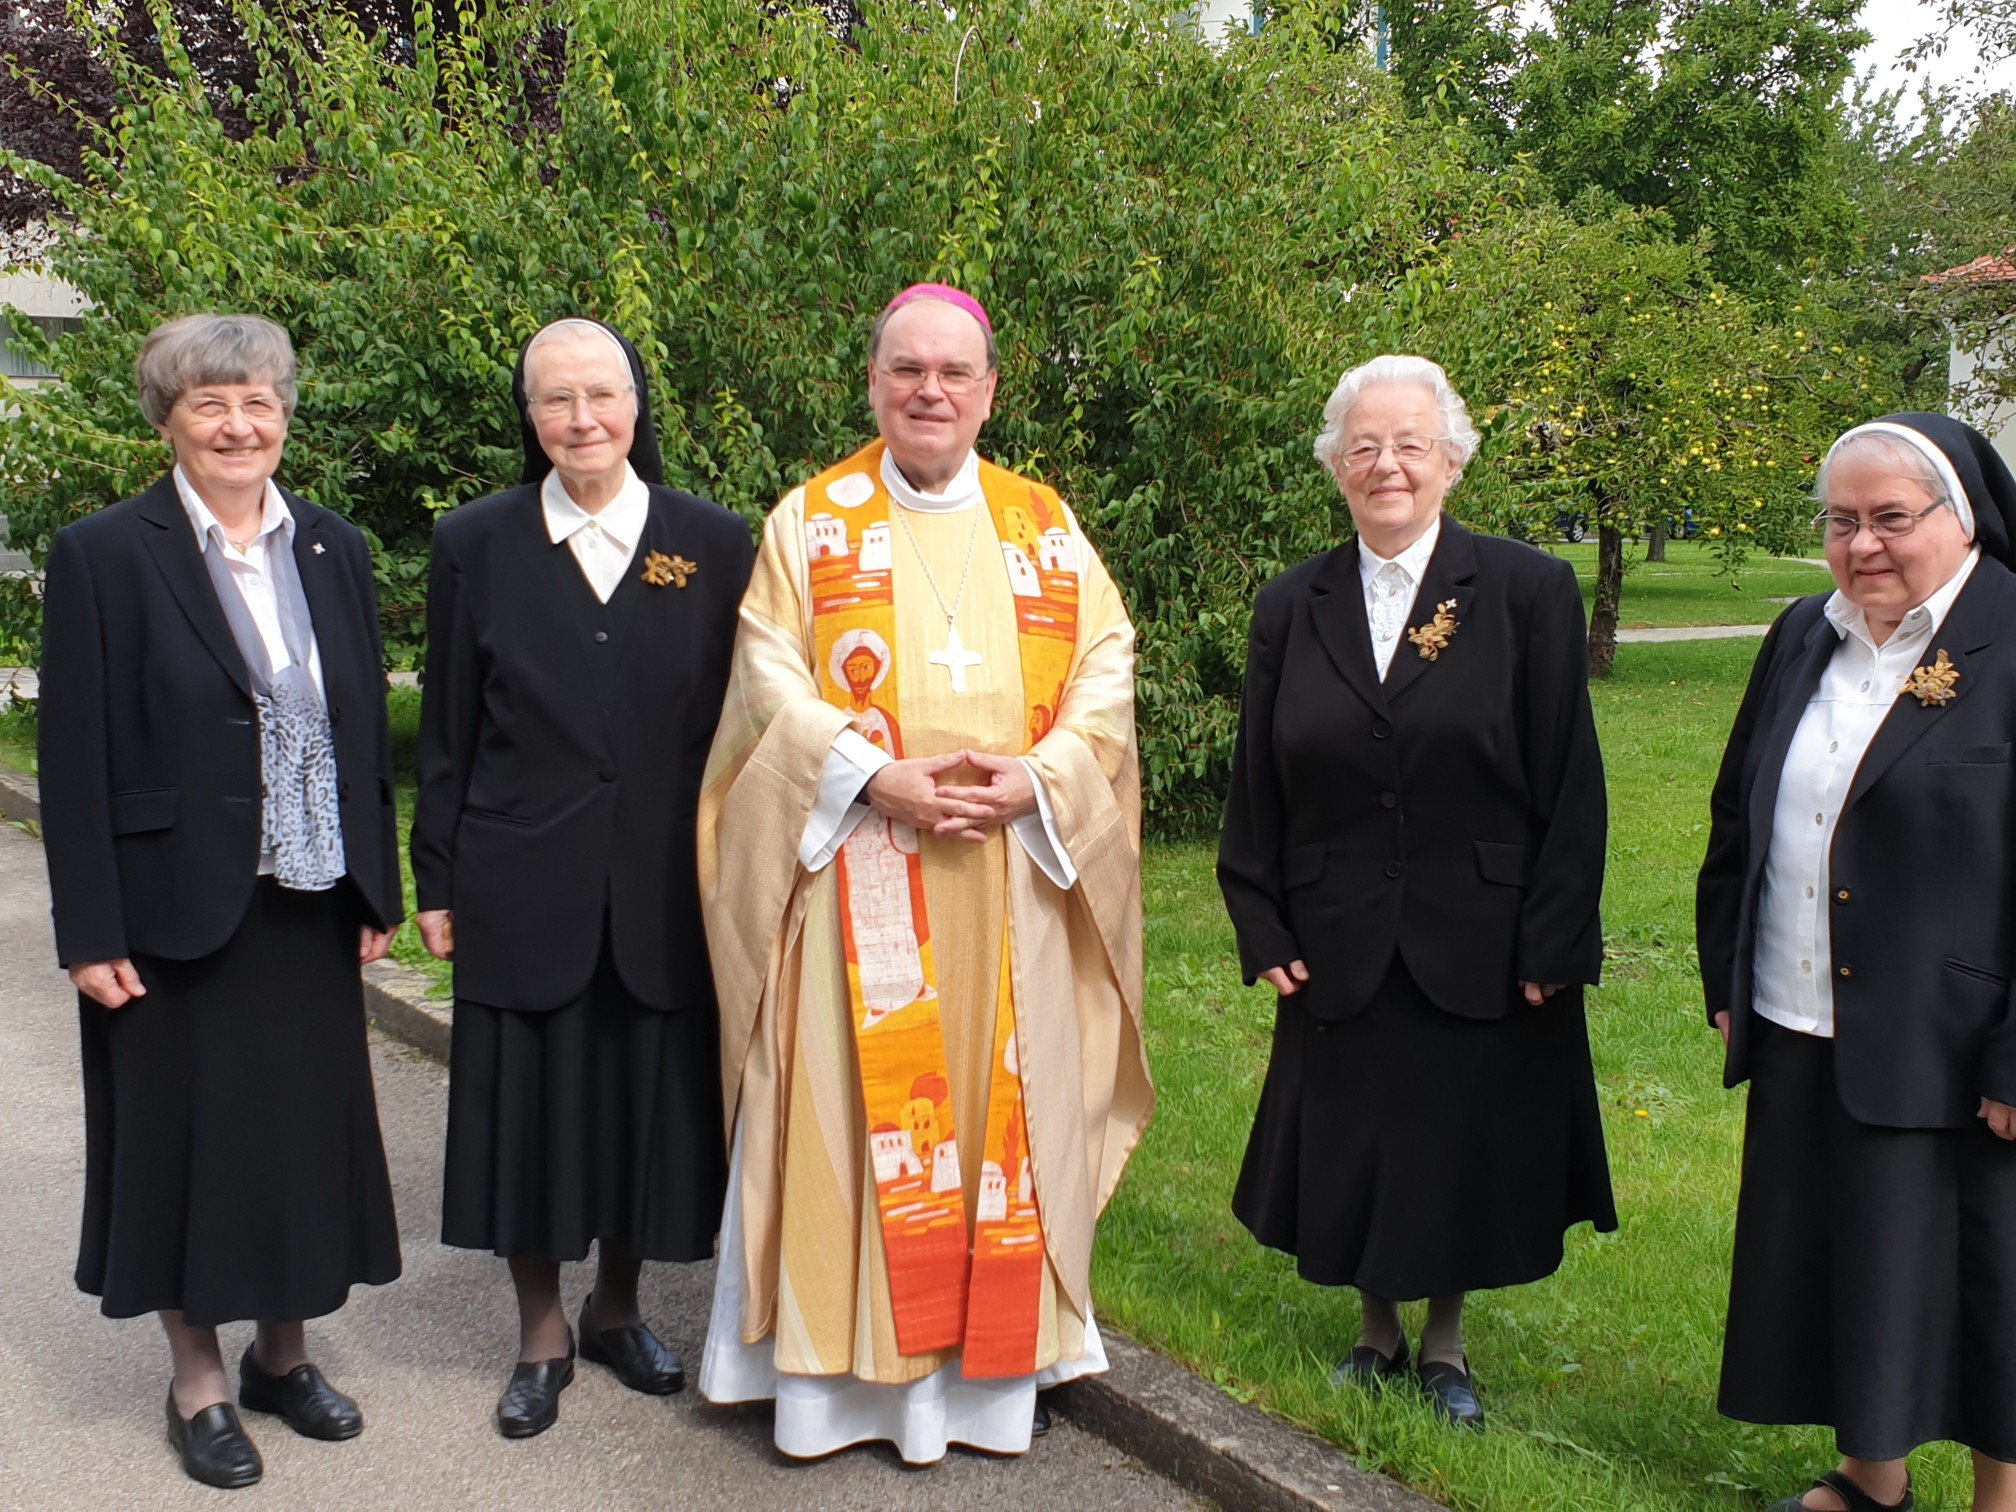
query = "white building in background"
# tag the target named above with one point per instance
(1215, 18)
(50, 304)
(1999, 421)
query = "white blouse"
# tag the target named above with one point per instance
(1792, 980)
(605, 543)
(1390, 589)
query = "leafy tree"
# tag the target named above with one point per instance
(1724, 114)
(1640, 387)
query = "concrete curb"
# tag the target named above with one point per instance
(1178, 1425)
(1188, 1431)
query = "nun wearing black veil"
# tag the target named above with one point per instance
(579, 628)
(1856, 916)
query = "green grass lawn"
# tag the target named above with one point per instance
(1689, 587)
(1599, 1382)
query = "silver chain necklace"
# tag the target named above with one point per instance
(955, 658)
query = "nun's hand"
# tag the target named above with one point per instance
(2000, 1116)
(437, 932)
(1537, 993)
(111, 983)
(1722, 1023)
(372, 944)
(1286, 980)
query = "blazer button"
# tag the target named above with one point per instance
(1381, 730)
(607, 771)
(601, 636)
(1846, 972)
(1841, 896)
(335, 715)
(1389, 800)
(343, 791)
(1392, 868)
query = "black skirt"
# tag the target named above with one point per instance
(1411, 1153)
(599, 1120)
(1874, 1285)
(233, 1167)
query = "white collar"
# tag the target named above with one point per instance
(963, 492)
(621, 519)
(1413, 560)
(273, 514)
(1925, 620)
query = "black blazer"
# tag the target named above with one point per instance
(149, 742)
(562, 742)
(1454, 814)
(1921, 882)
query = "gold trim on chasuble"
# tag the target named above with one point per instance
(986, 1304)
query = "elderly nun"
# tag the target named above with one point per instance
(1856, 916)
(217, 807)
(579, 628)
(1412, 858)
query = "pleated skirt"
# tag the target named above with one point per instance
(1411, 1153)
(599, 1121)
(1874, 1283)
(233, 1167)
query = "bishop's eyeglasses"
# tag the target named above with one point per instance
(909, 377)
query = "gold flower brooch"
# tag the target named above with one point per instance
(1433, 637)
(1933, 684)
(659, 569)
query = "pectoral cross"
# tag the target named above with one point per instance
(955, 658)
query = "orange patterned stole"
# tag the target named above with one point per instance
(984, 1298)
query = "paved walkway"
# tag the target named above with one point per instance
(80, 1395)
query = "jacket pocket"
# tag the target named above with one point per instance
(1502, 863)
(487, 816)
(146, 809)
(1302, 865)
(1981, 755)
(1978, 973)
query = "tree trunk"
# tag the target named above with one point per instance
(1655, 541)
(1609, 592)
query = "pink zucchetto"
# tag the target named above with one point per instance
(955, 297)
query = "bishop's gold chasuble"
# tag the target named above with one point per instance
(935, 1051)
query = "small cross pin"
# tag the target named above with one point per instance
(316, 548)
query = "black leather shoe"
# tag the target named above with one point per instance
(531, 1403)
(1040, 1424)
(1365, 1366)
(640, 1361)
(303, 1399)
(213, 1447)
(1856, 1499)
(1452, 1391)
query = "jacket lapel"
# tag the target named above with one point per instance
(1795, 688)
(176, 553)
(1969, 627)
(1337, 605)
(317, 566)
(1451, 569)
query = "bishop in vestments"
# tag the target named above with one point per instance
(920, 867)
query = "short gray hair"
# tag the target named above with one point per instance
(1459, 436)
(1893, 452)
(875, 334)
(195, 350)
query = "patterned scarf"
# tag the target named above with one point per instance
(301, 825)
